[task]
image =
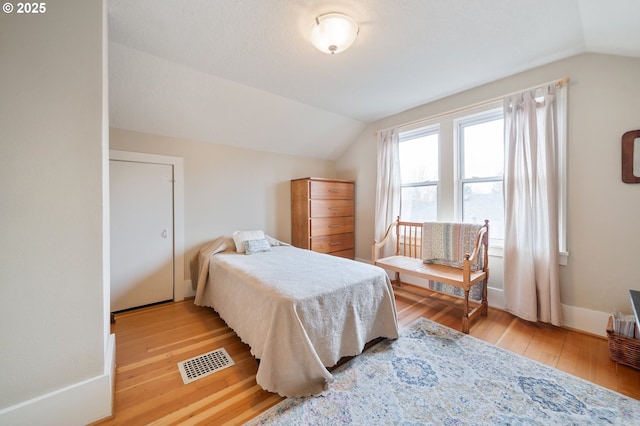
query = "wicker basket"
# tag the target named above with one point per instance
(623, 349)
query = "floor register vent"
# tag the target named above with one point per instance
(204, 365)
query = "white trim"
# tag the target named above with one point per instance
(497, 250)
(575, 318)
(563, 164)
(178, 208)
(106, 206)
(110, 366)
(81, 403)
(586, 320)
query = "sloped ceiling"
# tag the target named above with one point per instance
(244, 73)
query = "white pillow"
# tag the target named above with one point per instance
(256, 246)
(239, 237)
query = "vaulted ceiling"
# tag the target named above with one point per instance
(244, 72)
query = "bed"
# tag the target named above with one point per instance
(298, 310)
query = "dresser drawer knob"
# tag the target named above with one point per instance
(336, 243)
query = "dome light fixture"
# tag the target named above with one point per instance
(333, 32)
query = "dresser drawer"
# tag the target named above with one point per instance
(331, 190)
(331, 225)
(332, 243)
(331, 208)
(348, 254)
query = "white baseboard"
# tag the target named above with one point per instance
(495, 298)
(582, 319)
(576, 318)
(79, 404)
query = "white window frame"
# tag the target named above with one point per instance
(562, 101)
(492, 114)
(420, 132)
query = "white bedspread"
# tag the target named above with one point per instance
(299, 311)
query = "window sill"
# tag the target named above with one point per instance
(496, 250)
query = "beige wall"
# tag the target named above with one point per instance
(603, 231)
(52, 317)
(226, 188)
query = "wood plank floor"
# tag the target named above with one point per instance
(151, 341)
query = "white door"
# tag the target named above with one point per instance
(141, 233)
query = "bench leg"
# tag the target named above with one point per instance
(484, 311)
(396, 280)
(465, 314)
(485, 303)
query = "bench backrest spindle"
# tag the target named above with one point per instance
(398, 238)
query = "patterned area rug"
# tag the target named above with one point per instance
(435, 375)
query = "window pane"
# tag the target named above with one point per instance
(483, 149)
(483, 200)
(419, 203)
(419, 159)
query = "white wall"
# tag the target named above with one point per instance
(226, 188)
(603, 232)
(54, 349)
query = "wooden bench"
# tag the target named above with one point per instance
(408, 260)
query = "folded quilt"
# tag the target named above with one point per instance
(446, 243)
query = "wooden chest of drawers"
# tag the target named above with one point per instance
(322, 215)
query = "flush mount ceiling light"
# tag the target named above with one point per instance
(333, 32)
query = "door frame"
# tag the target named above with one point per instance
(178, 208)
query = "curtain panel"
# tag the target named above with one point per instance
(531, 191)
(388, 185)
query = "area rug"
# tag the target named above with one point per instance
(435, 375)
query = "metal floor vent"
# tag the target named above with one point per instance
(204, 365)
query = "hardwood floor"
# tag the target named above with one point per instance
(151, 341)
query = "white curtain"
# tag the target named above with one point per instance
(388, 185)
(531, 251)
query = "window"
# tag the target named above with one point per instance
(419, 171)
(452, 169)
(481, 157)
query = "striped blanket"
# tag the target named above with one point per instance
(446, 243)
